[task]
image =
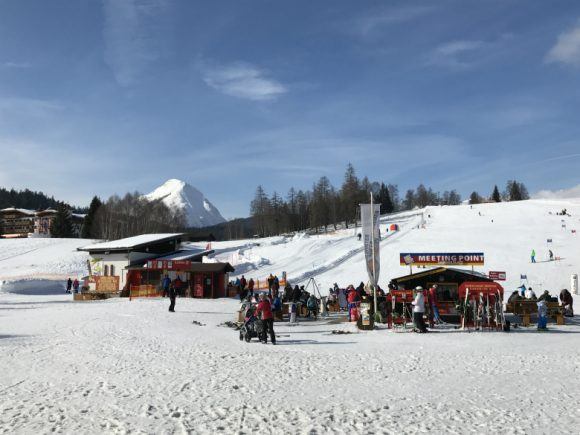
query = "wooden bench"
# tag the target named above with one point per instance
(526, 308)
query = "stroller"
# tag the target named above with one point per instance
(252, 327)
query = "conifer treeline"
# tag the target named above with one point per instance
(325, 206)
(27, 199)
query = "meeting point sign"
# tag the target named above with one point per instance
(438, 259)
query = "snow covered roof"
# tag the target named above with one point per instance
(20, 210)
(131, 243)
(186, 254)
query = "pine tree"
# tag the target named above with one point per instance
(513, 190)
(349, 195)
(495, 196)
(62, 224)
(259, 211)
(88, 230)
(474, 198)
(409, 202)
(384, 197)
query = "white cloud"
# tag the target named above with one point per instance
(16, 65)
(376, 19)
(243, 80)
(567, 48)
(131, 35)
(456, 54)
(573, 192)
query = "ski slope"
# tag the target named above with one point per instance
(505, 232)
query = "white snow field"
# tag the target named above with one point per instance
(121, 366)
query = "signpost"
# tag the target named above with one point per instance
(442, 259)
(497, 276)
(168, 264)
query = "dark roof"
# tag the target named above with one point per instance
(439, 270)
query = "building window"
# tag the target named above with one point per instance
(112, 270)
(106, 272)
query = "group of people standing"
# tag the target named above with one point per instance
(72, 286)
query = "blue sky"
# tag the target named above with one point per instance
(103, 97)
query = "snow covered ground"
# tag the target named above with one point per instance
(120, 366)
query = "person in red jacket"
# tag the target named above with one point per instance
(264, 312)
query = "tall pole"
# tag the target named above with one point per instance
(373, 248)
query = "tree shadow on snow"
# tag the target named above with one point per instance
(292, 342)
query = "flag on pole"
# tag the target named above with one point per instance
(370, 214)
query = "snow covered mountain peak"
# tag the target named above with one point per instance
(178, 194)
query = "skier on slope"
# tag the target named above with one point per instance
(533, 255)
(68, 285)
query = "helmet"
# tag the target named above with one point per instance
(419, 288)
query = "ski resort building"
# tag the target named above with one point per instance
(450, 285)
(20, 222)
(139, 263)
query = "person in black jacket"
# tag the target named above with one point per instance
(172, 294)
(567, 303)
(296, 294)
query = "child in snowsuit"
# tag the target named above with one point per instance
(542, 315)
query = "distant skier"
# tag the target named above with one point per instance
(533, 255)
(76, 285)
(551, 254)
(68, 285)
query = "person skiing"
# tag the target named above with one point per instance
(419, 310)
(533, 255)
(165, 283)
(68, 285)
(76, 285)
(172, 294)
(567, 302)
(264, 311)
(551, 254)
